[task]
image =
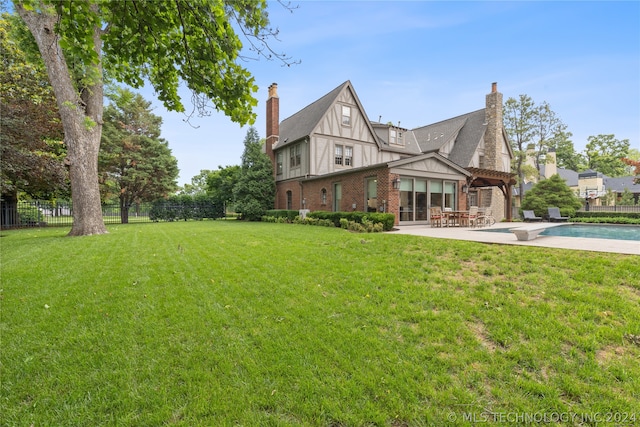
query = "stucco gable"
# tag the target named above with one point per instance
(310, 119)
(430, 162)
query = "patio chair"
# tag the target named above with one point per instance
(485, 218)
(554, 215)
(468, 219)
(435, 216)
(530, 216)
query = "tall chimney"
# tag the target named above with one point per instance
(550, 168)
(493, 136)
(273, 121)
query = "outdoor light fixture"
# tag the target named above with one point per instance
(465, 188)
(396, 183)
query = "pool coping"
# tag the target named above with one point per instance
(629, 247)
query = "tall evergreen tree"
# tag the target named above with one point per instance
(255, 190)
(134, 162)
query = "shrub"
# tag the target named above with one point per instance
(29, 215)
(387, 220)
(185, 207)
(286, 213)
(552, 191)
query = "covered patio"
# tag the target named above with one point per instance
(483, 178)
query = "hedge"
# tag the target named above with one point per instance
(386, 219)
(588, 214)
(185, 207)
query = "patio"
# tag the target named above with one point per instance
(477, 235)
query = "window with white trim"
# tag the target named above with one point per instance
(343, 155)
(346, 115)
(348, 156)
(338, 158)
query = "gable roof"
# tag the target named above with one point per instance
(469, 138)
(466, 130)
(302, 123)
(434, 136)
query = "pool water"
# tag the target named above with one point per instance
(595, 231)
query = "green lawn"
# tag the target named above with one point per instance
(221, 323)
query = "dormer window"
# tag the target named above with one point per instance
(396, 136)
(346, 115)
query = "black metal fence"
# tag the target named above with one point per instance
(37, 213)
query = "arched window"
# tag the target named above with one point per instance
(323, 196)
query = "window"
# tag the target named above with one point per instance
(348, 156)
(279, 164)
(289, 199)
(338, 156)
(346, 115)
(323, 196)
(343, 155)
(450, 195)
(392, 136)
(294, 156)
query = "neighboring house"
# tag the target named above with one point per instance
(590, 185)
(330, 156)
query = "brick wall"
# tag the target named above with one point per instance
(353, 192)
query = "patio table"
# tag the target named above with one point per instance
(452, 218)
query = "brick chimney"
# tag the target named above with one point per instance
(493, 135)
(273, 120)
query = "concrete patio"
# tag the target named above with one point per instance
(475, 234)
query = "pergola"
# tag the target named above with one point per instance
(481, 178)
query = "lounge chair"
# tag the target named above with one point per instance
(530, 216)
(435, 216)
(554, 215)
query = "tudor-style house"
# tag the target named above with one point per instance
(330, 156)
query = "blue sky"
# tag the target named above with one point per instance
(419, 62)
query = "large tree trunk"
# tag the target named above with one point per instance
(81, 117)
(124, 210)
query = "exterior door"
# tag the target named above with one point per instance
(337, 196)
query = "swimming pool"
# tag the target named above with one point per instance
(595, 231)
